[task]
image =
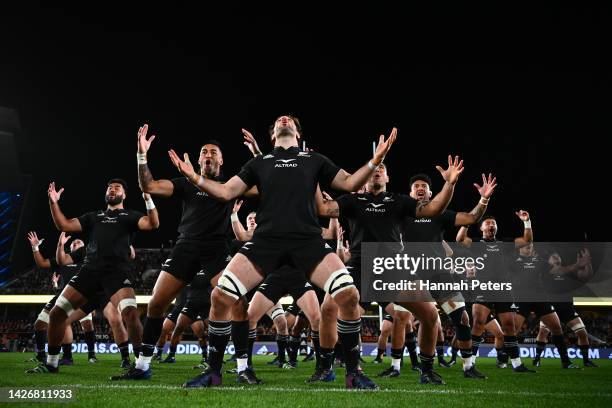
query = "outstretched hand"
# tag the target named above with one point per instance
(384, 146)
(33, 238)
(54, 195)
(454, 170)
(251, 143)
(143, 143)
(488, 186)
(183, 166)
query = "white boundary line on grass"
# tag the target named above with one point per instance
(324, 390)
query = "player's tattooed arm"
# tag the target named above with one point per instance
(228, 191)
(145, 178)
(345, 181)
(326, 206)
(61, 257)
(557, 267)
(486, 191)
(59, 219)
(40, 260)
(251, 143)
(439, 203)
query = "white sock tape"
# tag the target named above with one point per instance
(129, 302)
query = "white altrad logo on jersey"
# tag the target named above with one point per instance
(109, 220)
(202, 193)
(285, 163)
(420, 220)
(375, 208)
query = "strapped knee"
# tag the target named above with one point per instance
(449, 307)
(276, 313)
(43, 316)
(338, 281)
(578, 327)
(399, 308)
(231, 285)
(65, 305)
(86, 318)
(125, 303)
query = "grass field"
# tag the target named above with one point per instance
(550, 386)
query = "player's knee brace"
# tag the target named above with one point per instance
(578, 327)
(276, 313)
(65, 305)
(125, 303)
(399, 308)
(450, 307)
(338, 281)
(43, 316)
(231, 285)
(86, 318)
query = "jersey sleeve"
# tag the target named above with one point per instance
(179, 186)
(134, 217)
(408, 206)
(327, 171)
(87, 221)
(448, 219)
(346, 204)
(248, 174)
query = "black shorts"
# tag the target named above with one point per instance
(49, 305)
(388, 318)
(539, 308)
(187, 259)
(106, 278)
(498, 307)
(566, 311)
(99, 301)
(174, 313)
(269, 254)
(196, 309)
(284, 281)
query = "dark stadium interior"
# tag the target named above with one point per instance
(535, 112)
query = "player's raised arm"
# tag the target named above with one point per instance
(40, 260)
(146, 182)
(439, 203)
(486, 191)
(59, 219)
(234, 188)
(352, 182)
(151, 220)
(527, 231)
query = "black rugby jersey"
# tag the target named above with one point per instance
(287, 182)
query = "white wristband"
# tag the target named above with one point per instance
(150, 204)
(141, 158)
(484, 201)
(527, 224)
(234, 217)
(371, 165)
(34, 248)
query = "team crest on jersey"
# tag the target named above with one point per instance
(388, 199)
(327, 246)
(124, 213)
(268, 156)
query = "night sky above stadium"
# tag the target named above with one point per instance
(523, 94)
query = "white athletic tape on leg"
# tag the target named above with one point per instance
(276, 313)
(43, 316)
(399, 308)
(338, 281)
(130, 302)
(64, 304)
(577, 327)
(86, 318)
(231, 285)
(449, 307)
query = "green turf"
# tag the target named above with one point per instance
(550, 386)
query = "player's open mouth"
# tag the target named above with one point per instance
(208, 162)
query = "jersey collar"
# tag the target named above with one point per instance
(292, 150)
